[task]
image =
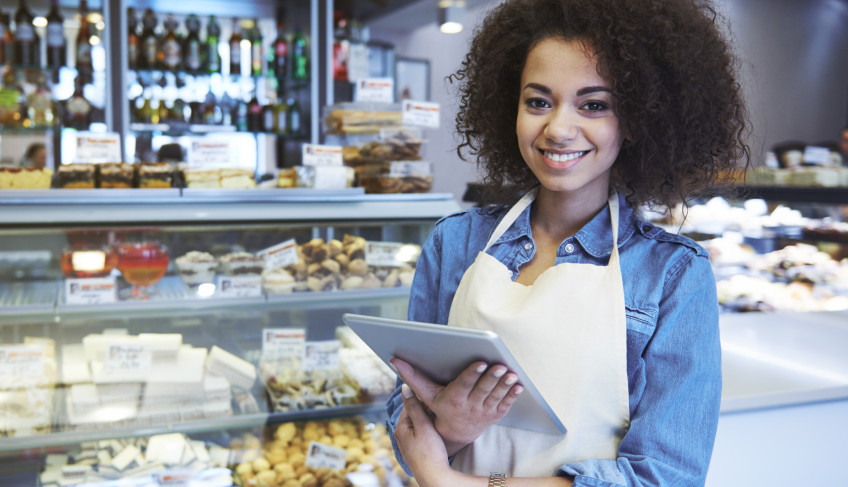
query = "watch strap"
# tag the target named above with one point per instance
(497, 480)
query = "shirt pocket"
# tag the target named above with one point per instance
(641, 320)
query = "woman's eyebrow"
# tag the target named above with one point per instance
(592, 89)
(540, 88)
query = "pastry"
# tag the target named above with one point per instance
(202, 178)
(277, 281)
(237, 178)
(242, 263)
(195, 268)
(287, 178)
(155, 175)
(75, 176)
(115, 175)
(25, 178)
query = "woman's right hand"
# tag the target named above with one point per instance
(464, 408)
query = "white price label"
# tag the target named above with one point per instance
(322, 155)
(420, 113)
(383, 254)
(403, 169)
(819, 156)
(95, 290)
(174, 477)
(21, 361)
(320, 455)
(210, 152)
(358, 64)
(381, 90)
(239, 286)
(98, 147)
(281, 255)
(128, 357)
(283, 343)
(322, 355)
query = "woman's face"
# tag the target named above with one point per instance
(567, 130)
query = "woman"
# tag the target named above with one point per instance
(592, 107)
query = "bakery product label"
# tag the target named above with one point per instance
(21, 361)
(94, 290)
(281, 255)
(322, 155)
(420, 113)
(239, 286)
(283, 343)
(320, 455)
(322, 355)
(128, 357)
(381, 90)
(98, 147)
(384, 254)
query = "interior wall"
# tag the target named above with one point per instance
(794, 74)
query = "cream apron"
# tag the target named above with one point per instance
(568, 331)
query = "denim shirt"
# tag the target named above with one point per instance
(673, 349)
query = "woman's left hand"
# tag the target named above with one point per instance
(420, 444)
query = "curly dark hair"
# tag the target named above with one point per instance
(674, 86)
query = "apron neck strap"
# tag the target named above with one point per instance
(528, 198)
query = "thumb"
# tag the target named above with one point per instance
(412, 406)
(421, 385)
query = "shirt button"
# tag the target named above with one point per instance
(569, 248)
(528, 246)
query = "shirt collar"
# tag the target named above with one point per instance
(595, 237)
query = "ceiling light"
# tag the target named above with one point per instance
(451, 15)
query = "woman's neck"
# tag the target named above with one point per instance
(557, 216)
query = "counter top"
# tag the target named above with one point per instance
(783, 359)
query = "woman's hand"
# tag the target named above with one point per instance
(420, 443)
(466, 406)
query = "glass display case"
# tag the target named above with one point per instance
(168, 332)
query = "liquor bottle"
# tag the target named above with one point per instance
(26, 40)
(341, 45)
(56, 43)
(213, 57)
(11, 95)
(280, 61)
(257, 59)
(254, 115)
(281, 114)
(235, 49)
(171, 49)
(40, 107)
(145, 111)
(178, 111)
(300, 56)
(293, 120)
(213, 114)
(7, 39)
(192, 51)
(77, 109)
(164, 112)
(84, 66)
(149, 41)
(239, 115)
(268, 115)
(226, 109)
(133, 41)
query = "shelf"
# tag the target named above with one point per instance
(797, 194)
(33, 208)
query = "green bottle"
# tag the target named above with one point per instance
(213, 57)
(300, 56)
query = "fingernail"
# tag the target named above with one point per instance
(392, 365)
(510, 380)
(515, 390)
(499, 372)
(481, 368)
(406, 391)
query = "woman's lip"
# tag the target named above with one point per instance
(566, 164)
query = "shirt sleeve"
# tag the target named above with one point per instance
(672, 428)
(423, 306)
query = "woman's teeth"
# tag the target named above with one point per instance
(564, 157)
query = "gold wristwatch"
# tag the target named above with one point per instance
(497, 480)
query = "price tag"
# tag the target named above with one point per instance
(379, 90)
(283, 343)
(239, 286)
(322, 355)
(21, 361)
(322, 155)
(209, 152)
(128, 357)
(383, 254)
(320, 455)
(818, 156)
(358, 64)
(94, 290)
(403, 169)
(98, 147)
(174, 477)
(420, 113)
(281, 255)
(330, 177)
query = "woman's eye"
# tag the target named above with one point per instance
(595, 106)
(537, 103)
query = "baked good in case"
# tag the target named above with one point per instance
(75, 176)
(155, 175)
(237, 178)
(242, 263)
(25, 178)
(196, 268)
(115, 175)
(202, 178)
(277, 281)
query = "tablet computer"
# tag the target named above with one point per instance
(442, 352)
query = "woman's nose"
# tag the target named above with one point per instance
(562, 126)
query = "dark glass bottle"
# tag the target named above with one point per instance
(133, 41)
(213, 57)
(57, 46)
(239, 117)
(254, 115)
(293, 118)
(300, 56)
(235, 49)
(7, 39)
(78, 109)
(26, 40)
(192, 50)
(280, 61)
(149, 42)
(257, 59)
(171, 48)
(83, 57)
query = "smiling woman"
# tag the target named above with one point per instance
(590, 107)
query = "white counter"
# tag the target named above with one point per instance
(784, 411)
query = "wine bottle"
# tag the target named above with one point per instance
(300, 56)
(149, 41)
(133, 41)
(26, 40)
(192, 50)
(56, 43)
(213, 57)
(171, 49)
(84, 66)
(235, 49)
